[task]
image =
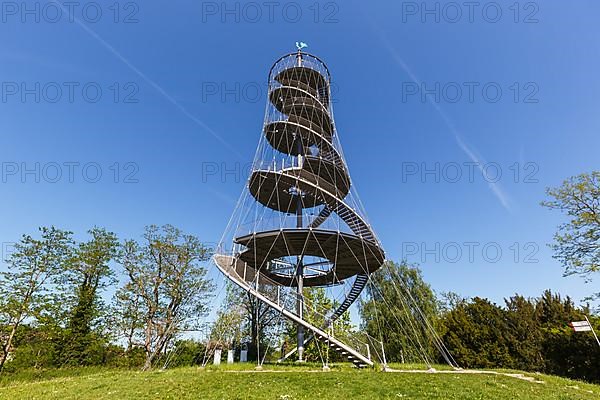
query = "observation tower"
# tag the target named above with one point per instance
(299, 222)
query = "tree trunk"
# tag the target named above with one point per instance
(254, 338)
(7, 346)
(147, 349)
(130, 338)
(151, 355)
(148, 364)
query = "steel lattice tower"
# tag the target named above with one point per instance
(299, 222)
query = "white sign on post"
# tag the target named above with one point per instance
(584, 326)
(581, 326)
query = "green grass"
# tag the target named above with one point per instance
(282, 382)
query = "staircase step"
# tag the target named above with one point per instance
(352, 355)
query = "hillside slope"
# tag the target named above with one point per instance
(280, 384)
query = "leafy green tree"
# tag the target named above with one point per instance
(525, 336)
(261, 324)
(35, 346)
(317, 309)
(448, 301)
(89, 274)
(477, 335)
(571, 354)
(227, 329)
(400, 310)
(25, 289)
(552, 310)
(186, 353)
(167, 276)
(529, 334)
(577, 242)
(566, 353)
(127, 310)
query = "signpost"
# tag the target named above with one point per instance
(584, 326)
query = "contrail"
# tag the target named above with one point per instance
(152, 83)
(494, 186)
(504, 199)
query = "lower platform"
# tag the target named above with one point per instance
(348, 254)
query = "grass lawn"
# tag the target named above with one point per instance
(283, 383)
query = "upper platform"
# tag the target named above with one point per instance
(308, 69)
(300, 207)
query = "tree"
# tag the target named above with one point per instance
(88, 275)
(528, 334)
(448, 301)
(127, 311)
(477, 335)
(34, 267)
(226, 331)
(260, 322)
(566, 353)
(35, 346)
(317, 309)
(165, 274)
(525, 344)
(399, 310)
(186, 353)
(127, 315)
(577, 242)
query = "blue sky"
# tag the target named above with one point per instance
(183, 92)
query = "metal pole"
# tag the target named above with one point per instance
(384, 360)
(257, 327)
(300, 309)
(593, 331)
(278, 294)
(299, 267)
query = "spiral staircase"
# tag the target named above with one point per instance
(299, 222)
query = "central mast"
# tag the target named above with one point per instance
(299, 267)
